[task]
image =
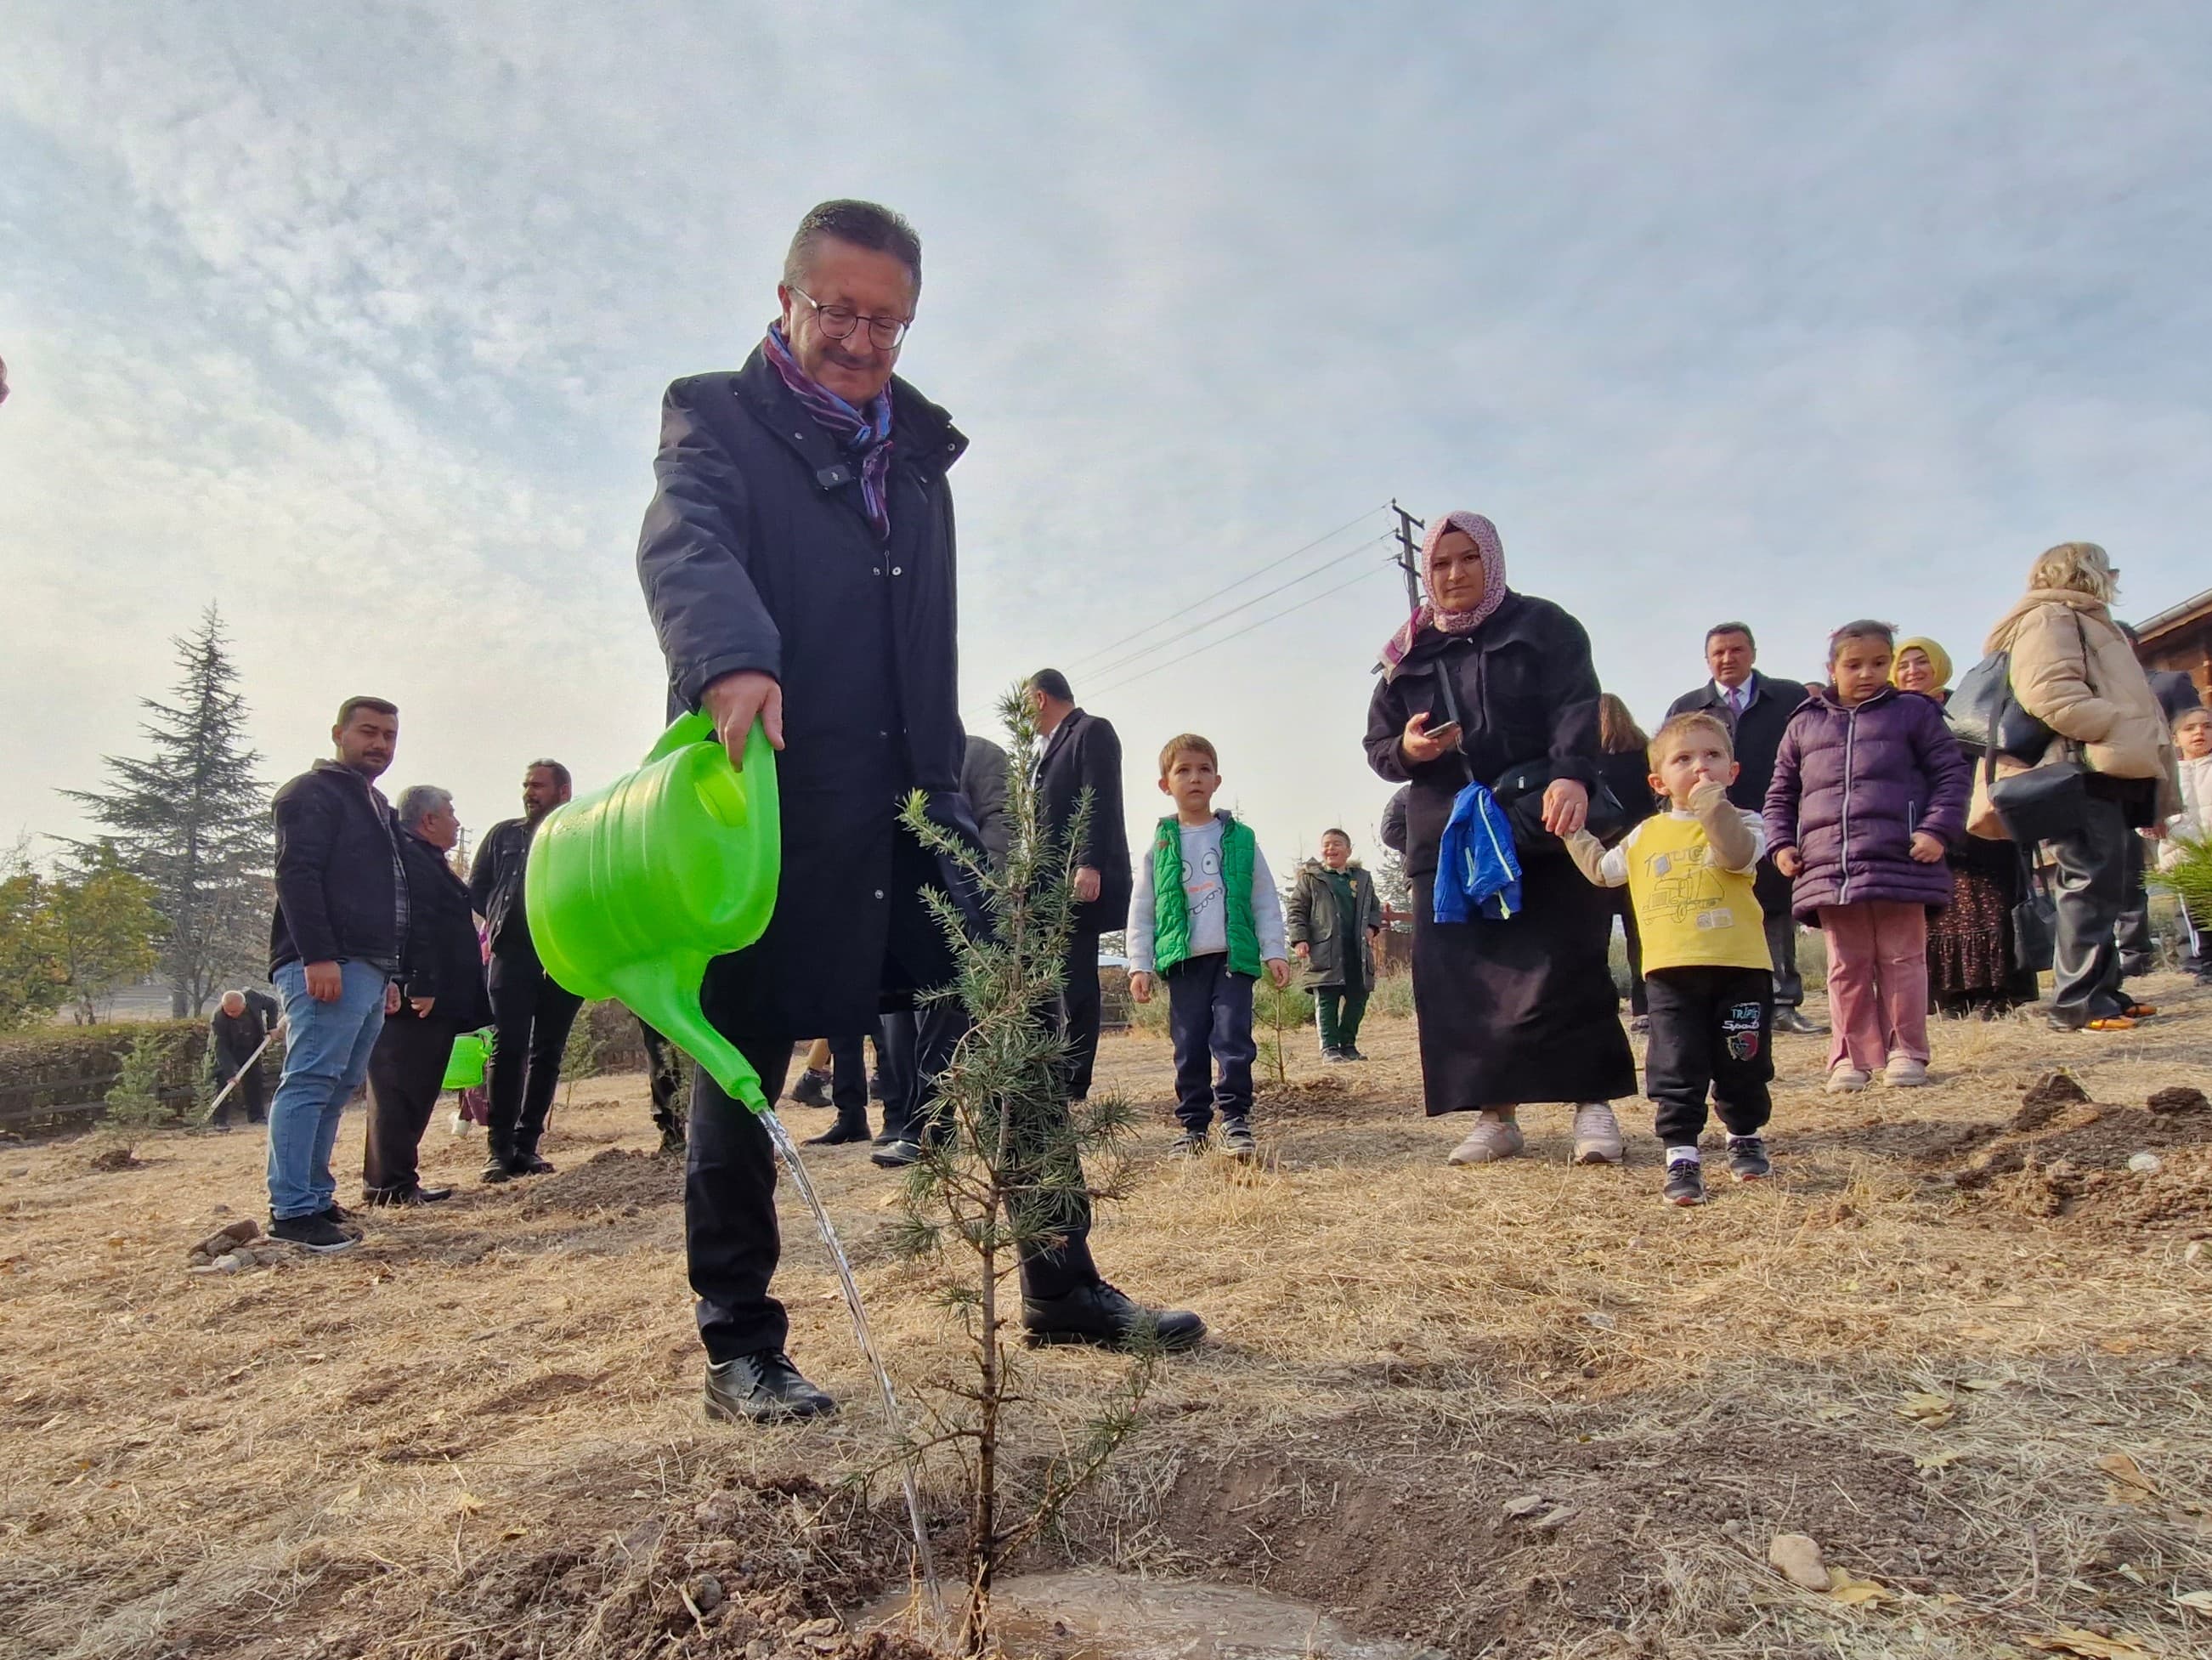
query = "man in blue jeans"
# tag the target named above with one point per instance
(334, 947)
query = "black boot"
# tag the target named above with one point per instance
(846, 1129)
(1099, 1314)
(813, 1089)
(500, 1162)
(764, 1388)
(671, 1136)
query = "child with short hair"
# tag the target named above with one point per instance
(1205, 918)
(1708, 982)
(2192, 739)
(1870, 793)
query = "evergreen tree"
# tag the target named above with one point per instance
(192, 819)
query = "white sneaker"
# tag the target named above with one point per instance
(1843, 1078)
(1904, 1072)
(1493, 1138)
(1597, 1134)
(463, 1124)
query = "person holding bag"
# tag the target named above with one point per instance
(2107, 771)
(1486, 686)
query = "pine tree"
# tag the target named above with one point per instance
(192, 819)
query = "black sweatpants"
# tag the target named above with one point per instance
(1712, 1029)
(252, 1093)
(530, 1015)
(1210, 1015)
(2091, 891)
(406, 1071)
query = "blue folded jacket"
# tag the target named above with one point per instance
(1478, 872)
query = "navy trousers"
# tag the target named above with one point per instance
(1210, 1015)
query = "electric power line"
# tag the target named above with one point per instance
(1143, 652)
(1253, 574)
(1234, 634)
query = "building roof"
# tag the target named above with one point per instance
(2175, 618)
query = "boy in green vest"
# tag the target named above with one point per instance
(1207, 919)
(1707, 975)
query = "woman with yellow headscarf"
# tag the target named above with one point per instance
(1969, 941)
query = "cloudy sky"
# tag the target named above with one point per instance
(354, 321)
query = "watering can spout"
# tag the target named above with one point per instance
(633, 889)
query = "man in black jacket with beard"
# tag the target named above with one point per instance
(531, 1012)
(798, 564)
(1756, 708)
(1083, 752)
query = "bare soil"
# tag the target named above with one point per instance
(1518, 1410)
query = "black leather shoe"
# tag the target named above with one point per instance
(1100, 1314)
(764, 1388)
(844, 1132)
(499, 1168)
(1796, 1021)
(897, 1155)
(375, 1197)
(529, 1164)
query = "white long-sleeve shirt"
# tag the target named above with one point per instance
(1207, 901)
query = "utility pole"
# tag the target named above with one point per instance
(1409, 554)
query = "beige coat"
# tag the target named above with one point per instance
(2100, 699)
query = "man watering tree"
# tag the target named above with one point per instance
(797, 561)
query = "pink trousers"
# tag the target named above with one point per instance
(1877, 983)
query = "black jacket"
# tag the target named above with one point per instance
(1627, 774)
(1758, 737)
(984, 785)
(1525, 690)
(340, 894)
(756, 553)
(443, 961)
(2176, 692)
(495, 889)
(231, 1042)
(1083, 752)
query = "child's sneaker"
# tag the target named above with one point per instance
(1237, 1141)
(1748, 1160)
(1904, 1072)
(1189, 1145)
(1686, 1183)
(1843, 1078)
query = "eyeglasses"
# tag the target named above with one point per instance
(838, 322)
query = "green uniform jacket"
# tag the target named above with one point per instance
(1312, 919)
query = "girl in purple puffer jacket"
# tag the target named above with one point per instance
(1869, 791)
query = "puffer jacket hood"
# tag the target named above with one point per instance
(1851, 786)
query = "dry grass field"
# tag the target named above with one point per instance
(1958, 1342)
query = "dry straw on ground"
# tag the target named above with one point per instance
(1963, 1347)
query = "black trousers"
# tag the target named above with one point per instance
(531, 1016)
(663, 1079)
(1209, 1016)
(1633, 939)
(2091, 891)
(1781, 929)
(849, 1079)
(1712, 1029)
(1079, 1009)
(252, 1093)
(895, 1051)
(406, 1071)
(2132, 932)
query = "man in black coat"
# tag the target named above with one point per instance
(1756, 708)
(1083, 752)
(334, 951)
(531, 1011)
(442, 994)
(798, 562)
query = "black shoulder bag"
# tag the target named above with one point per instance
(2048, 801)
(1519, 792)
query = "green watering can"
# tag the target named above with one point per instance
(465, 1067)
(633, 889)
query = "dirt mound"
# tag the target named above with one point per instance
(614, 1179)
(2064, 1155)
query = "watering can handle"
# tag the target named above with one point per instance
(696, 727)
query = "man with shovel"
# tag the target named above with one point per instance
(798, 564)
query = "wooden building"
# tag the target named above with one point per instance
(2180, 637)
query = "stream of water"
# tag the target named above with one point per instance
(909, 1473)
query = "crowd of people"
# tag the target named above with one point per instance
(797, 562)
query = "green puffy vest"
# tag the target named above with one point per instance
(1171, 906)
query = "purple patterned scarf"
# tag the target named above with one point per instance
(863, 434)
(1484, 535)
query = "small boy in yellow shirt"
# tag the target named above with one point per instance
(1707, 975)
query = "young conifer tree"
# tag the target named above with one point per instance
(1012, 1163)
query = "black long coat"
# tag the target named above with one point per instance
(756, 553)
(1522, 1009)
(1085, 752)
(444, 962)
(1758, 737)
